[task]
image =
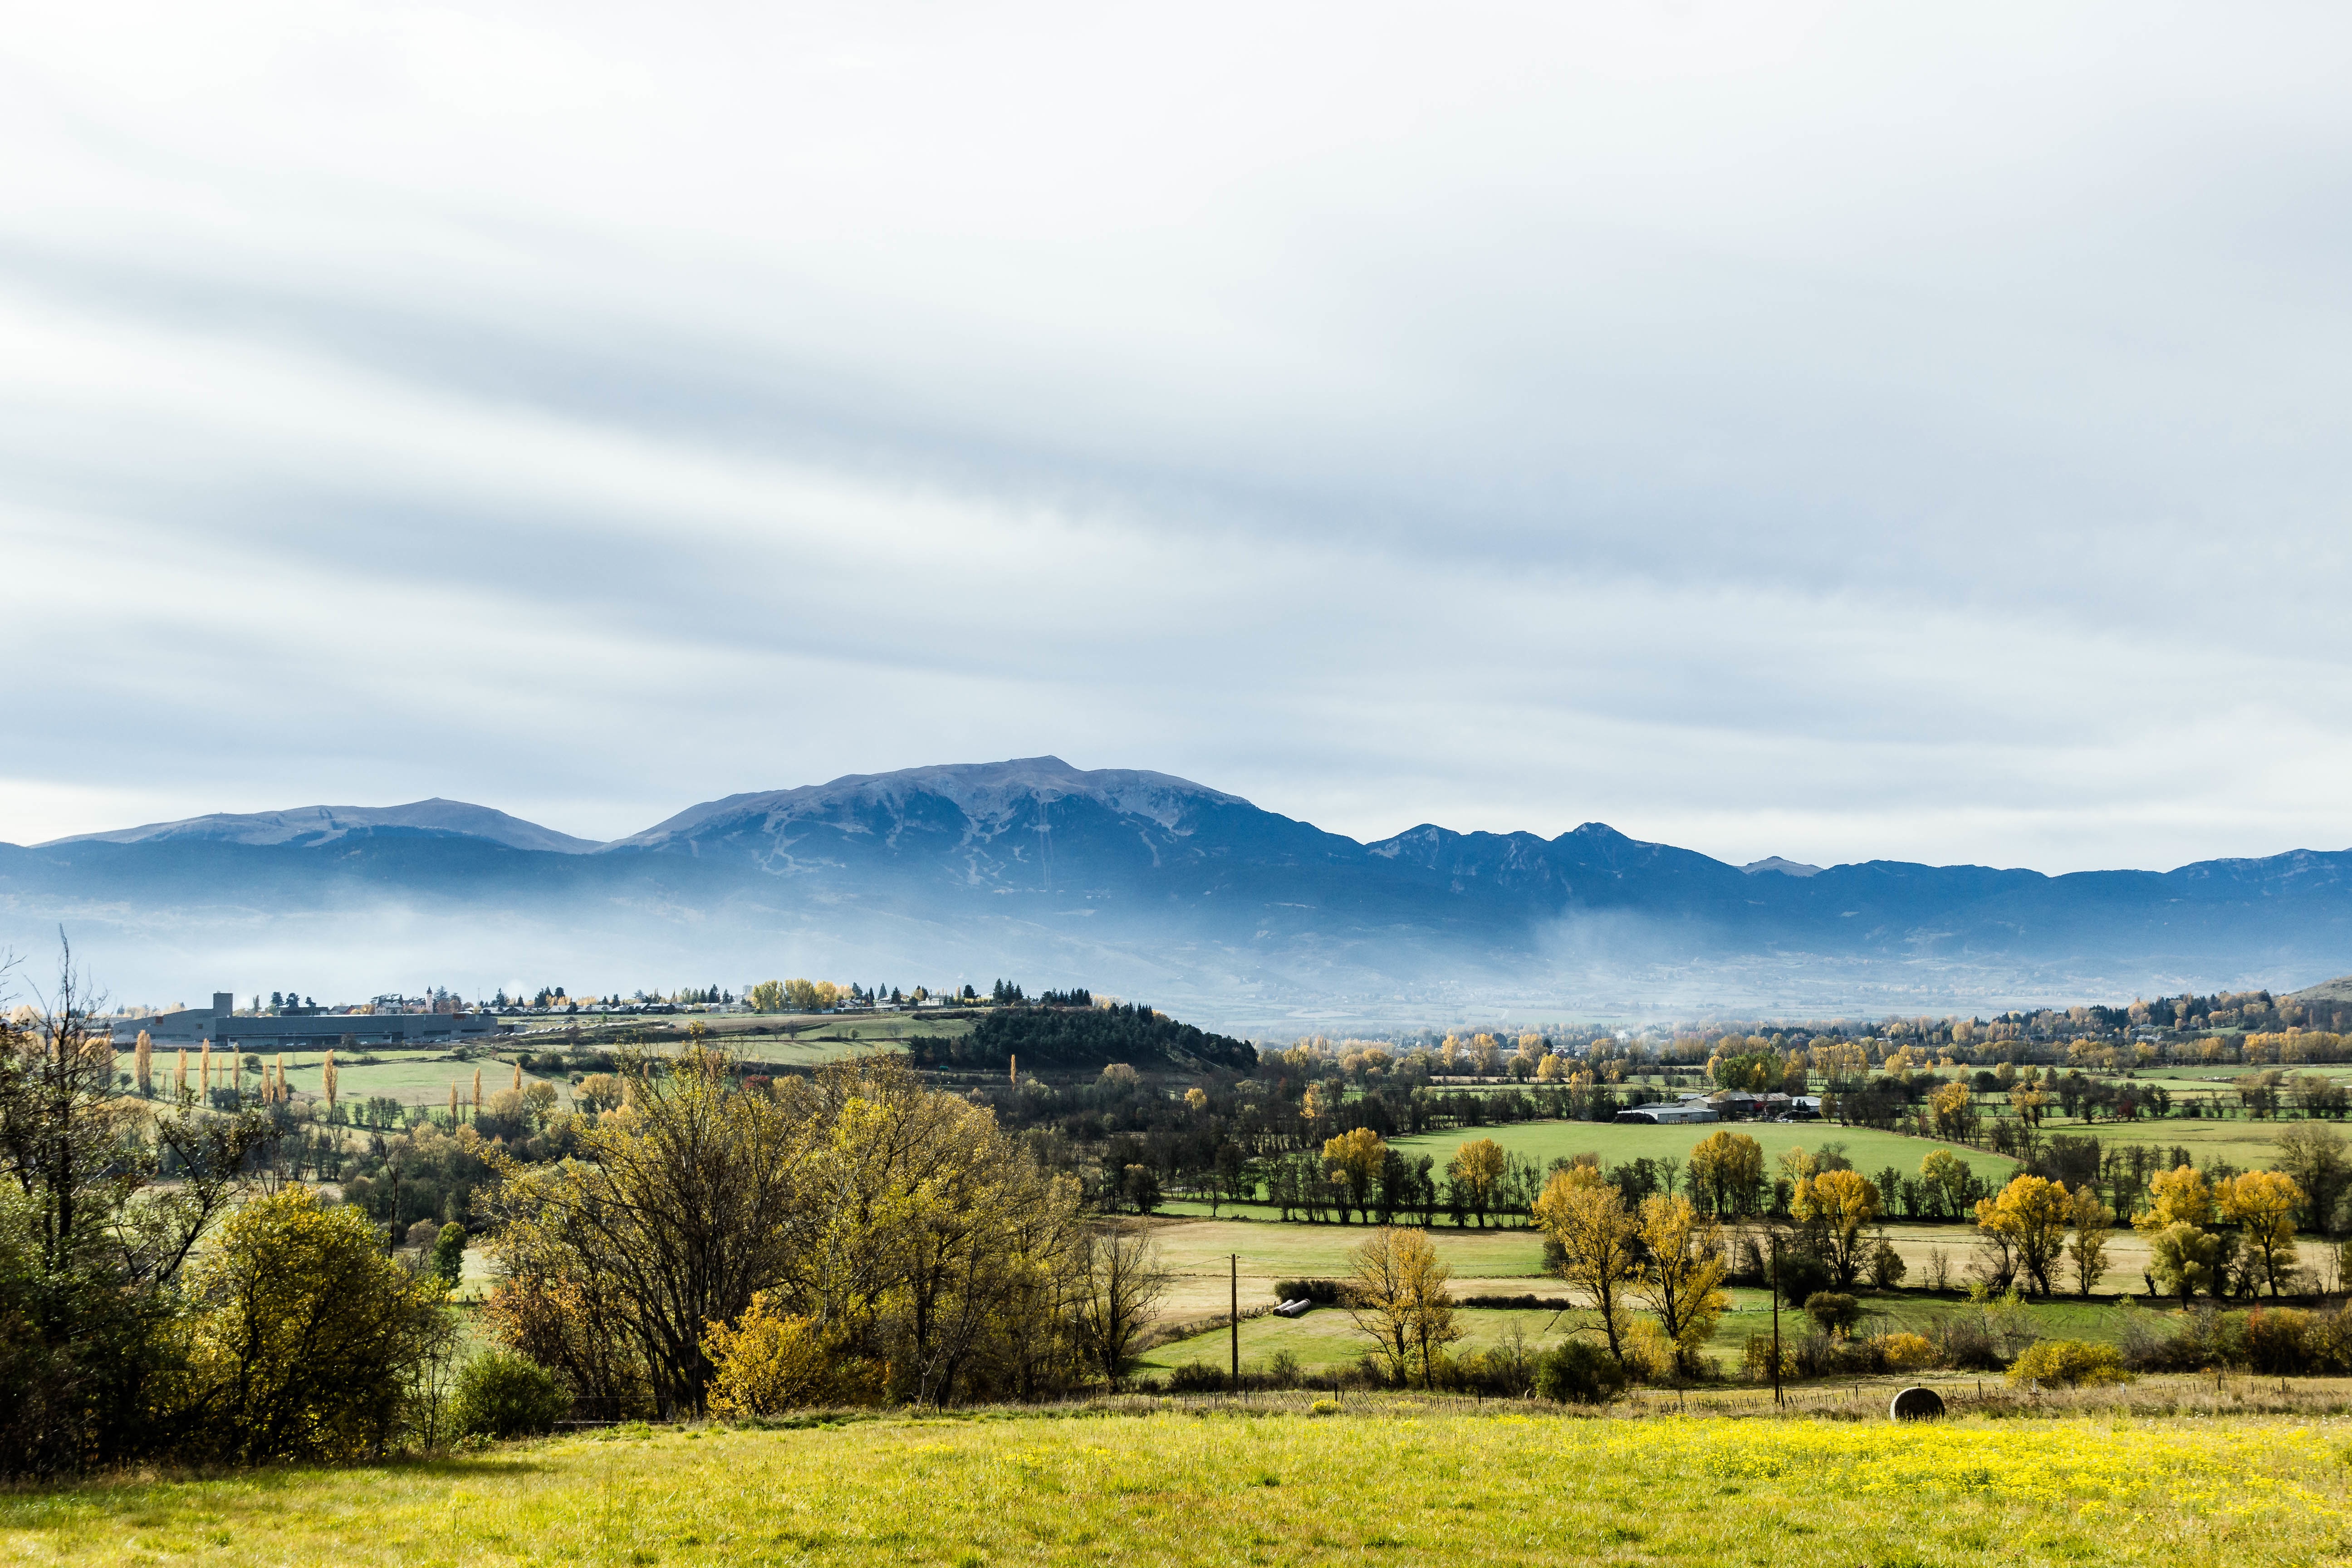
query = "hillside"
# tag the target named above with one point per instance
(1082, 1038)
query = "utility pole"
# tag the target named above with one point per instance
(1775, 1283)
(1234, 1262)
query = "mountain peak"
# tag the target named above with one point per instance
(985, 793)
(1786, 867)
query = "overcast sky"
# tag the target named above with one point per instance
(1837, 431)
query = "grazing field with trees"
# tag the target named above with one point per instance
(691, 1240)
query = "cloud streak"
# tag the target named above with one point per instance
(1804, 430)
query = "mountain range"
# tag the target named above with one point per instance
(1144, 885)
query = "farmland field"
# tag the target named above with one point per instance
(1502, 1262)
(1326, 1337)
(2249, 1145)
(1617, 1143)
(1396, 1480)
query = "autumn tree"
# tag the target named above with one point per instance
(2262, 1203)
(2093, 1222)
(1681, 1273)
(2183, 1253)
(93, 1247)
(1354, 1158)
(306, 1334)
(1835, 1206)
(1598, 1243)
(2029, 1218)
(1954, 1111)
(1726, 1172)
(1948, 1177)
(1476, 1170)
(903, 1222)
(1396, 1295)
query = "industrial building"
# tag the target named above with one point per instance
(221, 1025)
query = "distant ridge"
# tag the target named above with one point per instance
(308, 825)
(1150, 887)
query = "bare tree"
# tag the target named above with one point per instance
(1119, 1286)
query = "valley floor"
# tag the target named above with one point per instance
(1390, 1480)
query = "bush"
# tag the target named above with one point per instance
(1322, 1292)
(1579, 1372)
(1197, 1377)
(2279, 1340)
(1756, 1359)
(1966, 1343)
(770, 1363)
(1835, 1311)
(504, 1395)
(1902, 1352)
(2063, 1363)
(1282, 1368)
(1649, 1354)
(1886, 1266)
(1516, 1303)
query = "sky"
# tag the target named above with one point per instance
(1830, 431)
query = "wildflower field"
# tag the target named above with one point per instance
(1400, 1481)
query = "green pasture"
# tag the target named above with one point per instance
(1326, 1337)
(1618, 1143)
(1400, 1480)
(794, 1038)
(2248, 1145)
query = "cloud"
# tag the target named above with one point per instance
(1801, 430)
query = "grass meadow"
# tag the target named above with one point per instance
(1618, 1143)
(1394, 1482)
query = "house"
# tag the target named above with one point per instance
(1659, 1114)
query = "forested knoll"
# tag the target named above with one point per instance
(1083, 1038)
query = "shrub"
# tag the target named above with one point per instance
(770, 1363)
(1648, 1353)
(504, 1395)
(1579, 1372)
(1886, 1266)
(1902, 1352)
(1964, 1342)
(1756, 1358)
(1322, 1292)
(2063, 1363)
(1282, 1368)
(1516, 1303)
(1835, 1311)
(1197, 1377)
(2282, 1341)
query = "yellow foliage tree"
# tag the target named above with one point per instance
(2029, 1219)
(1355, 1157)
(2264, 1204)
(1598, 1240)
(1681, 1270)
(1476, 1169)
(2178, 1196)
(1397, 1296)
(1837, 1205)
(1727, 1169)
